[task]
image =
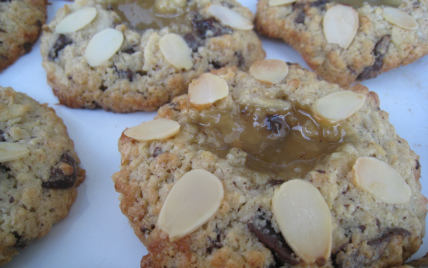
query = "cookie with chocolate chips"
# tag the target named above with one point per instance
(39, 171)
(21, 23)
(310, 175)
(134, 55)
(345, 41)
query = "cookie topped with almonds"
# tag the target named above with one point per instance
(271, 168)
(134, 55)
(21, 23)
(345, 41)
(39, 171)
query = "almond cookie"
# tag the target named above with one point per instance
(347, 40)
(39, 171)
(20, 25)
(271, 168)
(133, 55)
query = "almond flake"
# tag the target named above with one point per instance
(280, 2)
(103, 46)
(272, 71)
(12, 151)
(176, 51)
(76, 20)
(157, 129)
(399, 18)
(193, 201)
(340, 25)
(207, 89)
(229, 17)
(381, 180)
(337, 106)
(304, 220)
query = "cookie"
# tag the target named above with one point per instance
(263, 135)
(126, 56)
(419, 263)
(346, 41)
(20, 25)
(39, 171)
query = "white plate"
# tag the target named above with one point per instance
(96, 233)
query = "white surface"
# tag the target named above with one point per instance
(96, 233)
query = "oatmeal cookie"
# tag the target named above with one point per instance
(39, 171)
(345, 41)
(273, 130)
(20, 25)
(133, 55)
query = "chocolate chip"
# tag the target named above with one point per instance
(276, 182)
(21, 241)
(59, 180)
(157, 151)
(215, 243)
(142, 73)
(203, 26)
(273, 241)
(11, 199)
(276, 125)
(386, 237)
(379, 52)
(59, 45)
(418, 165)
(146, 230)
(129, 50)
(3, 168)
(320, 171)
(241, 60)
(192, 41)
(39, 23)
(216, 64)
(102, 87)
(300, 17)
(362, 228)
(27, 46)
(2, 138)
(124, 74)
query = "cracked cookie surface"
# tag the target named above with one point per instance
(378, 45)
(21, 23)
(139, 77)
(253, 140)
(38, 188)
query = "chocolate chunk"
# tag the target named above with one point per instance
(59, 45)
(129, 50)
(215, 243)
(124, 74)
(418, 164)
(379, 52)
(63, 175)
(362, 228)
(203, 26)
(273, 241)
(21, 241)
(3, 139)
(11, 199)
(157, 151)
(39, 23)
(141, 73)
(320, 171)
(102, 87)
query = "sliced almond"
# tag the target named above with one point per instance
(193, 200)
(76, 20)
(157, 129)
(340, 25)
(381, 180)
(304, 220)
(11, 151)
(176, 51)
(273, 3)
(399, 18)
(272, 71)
(229, 17)
(337, 106)
(103, 46)
(207, 89)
